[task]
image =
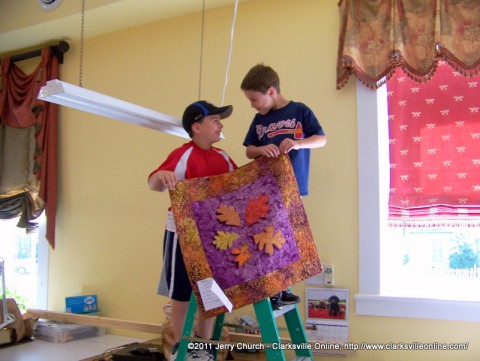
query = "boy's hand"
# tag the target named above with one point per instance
(167, 179)
(270, 150)
(287, 145)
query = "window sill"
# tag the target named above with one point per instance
(388, 306)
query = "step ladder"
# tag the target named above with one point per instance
(266, 318)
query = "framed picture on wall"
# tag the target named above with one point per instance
(327, 315)
(327, 304)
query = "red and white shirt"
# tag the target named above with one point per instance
(191, 161)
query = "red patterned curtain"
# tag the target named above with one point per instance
(434, 149)
(28, 144)
(378, 36)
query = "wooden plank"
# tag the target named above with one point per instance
(96, 321)
(152, 328)
(249, 338)
(6, 336)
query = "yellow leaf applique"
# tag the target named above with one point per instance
(256, 209)
(266, 240)
(224, 240)
(243, 255)
(229, 215)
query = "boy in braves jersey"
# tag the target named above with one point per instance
(280, 126)
(197, 158)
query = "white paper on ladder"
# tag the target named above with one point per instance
(212, 295)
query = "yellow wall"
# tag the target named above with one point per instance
(110, 225)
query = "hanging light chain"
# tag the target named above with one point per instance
(201, 53)
(82, 36)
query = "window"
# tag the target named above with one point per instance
(376, 297)
(25, 258)
(437, 262)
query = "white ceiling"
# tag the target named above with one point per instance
(24, 24)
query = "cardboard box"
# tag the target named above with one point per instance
(81, 304)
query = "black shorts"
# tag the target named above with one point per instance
(174, 282)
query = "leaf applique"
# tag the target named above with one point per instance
(266, 240)
(229, 215)
(243, 255)
(224, 240)
(256, 209)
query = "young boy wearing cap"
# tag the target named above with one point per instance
(197, 158)
(281, 126)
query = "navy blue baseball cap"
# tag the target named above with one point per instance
(196, 111)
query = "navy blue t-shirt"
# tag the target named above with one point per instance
(295, 121)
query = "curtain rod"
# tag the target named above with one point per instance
(58, 50)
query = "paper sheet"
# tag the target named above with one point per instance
(212, 295)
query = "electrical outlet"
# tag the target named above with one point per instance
(329, 275)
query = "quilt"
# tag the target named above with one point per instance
(247, 230)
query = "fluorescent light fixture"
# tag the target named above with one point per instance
(61, 93)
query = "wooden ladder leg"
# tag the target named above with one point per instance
(187, 329)
(268, 329)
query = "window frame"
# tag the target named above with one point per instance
(43, 253)
(372, 124)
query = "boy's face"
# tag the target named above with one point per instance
(209, 129)
(262, 102)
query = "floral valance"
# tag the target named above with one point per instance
(378, 36)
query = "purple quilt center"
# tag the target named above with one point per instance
(224, 269)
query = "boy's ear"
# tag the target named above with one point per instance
(195, 128)
(271, 91)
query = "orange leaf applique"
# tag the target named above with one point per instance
(243, 255)
(256, 209)
(224, 240)
(229, 215)
(266, 240)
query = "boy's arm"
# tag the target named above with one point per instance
(314, 141)
(162, 180)
(269, 150)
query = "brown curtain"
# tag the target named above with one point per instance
(28, 144)
(377, 36)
